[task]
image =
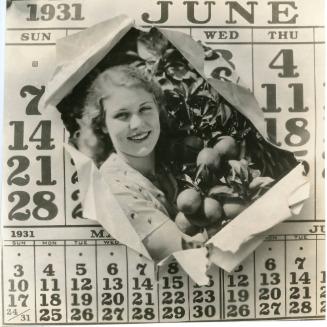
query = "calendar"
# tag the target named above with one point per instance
(58, 267)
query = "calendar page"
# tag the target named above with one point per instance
(63, 261)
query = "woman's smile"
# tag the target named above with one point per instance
(139, 137)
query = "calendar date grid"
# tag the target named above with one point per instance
(241, 294)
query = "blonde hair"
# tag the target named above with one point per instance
(92, 137)
(117, 76)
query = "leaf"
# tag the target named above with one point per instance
(239, 188)
(145, 52)
(196, 85)
(206, 94)
(152, 42)
(196, 111)
(202, 172)
(255, 173)
(178, 71)
(186, 183)
(244, 170)
(226, 113)
(221, 192)
(188, 178)
(260, 182)
(167, 85)
(215, 135)
(240, 168)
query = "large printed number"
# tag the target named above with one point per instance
(22, 164)
(32, 107)
(296, 128)
(45, 208)
(23, 200)
(41, 135)
(271, 98)
(287, 63)
(297, 133)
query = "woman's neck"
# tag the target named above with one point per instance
(144, 165)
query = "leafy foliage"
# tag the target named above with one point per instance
(194, 108)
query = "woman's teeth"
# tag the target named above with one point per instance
(139, 137)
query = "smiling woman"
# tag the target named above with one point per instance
(127, 101)
(125, 105)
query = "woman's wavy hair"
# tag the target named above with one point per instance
(91, 136)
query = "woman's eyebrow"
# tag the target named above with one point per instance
(146, 102)
(119, 110)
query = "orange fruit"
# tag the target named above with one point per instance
(186, 149)
(189, 201)
(213, 210)
(233, 207)
(227, 147)
(208, 157)
(194, 142)
(185, 226)
(192, 145)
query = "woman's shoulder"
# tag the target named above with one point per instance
(115, 167)
(117, 173)
(121, 177)
(111, 164)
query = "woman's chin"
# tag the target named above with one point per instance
(139, 153)
(142, 153)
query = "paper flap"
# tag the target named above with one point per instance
(273, 208)
(190, 49)
(243, 100)
(99, 203)
(229, 261)
(76, 65)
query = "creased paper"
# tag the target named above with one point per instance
(77, 56)
(100, 204)
(78, 53)
(271, 209)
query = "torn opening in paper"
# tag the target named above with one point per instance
(152, 115)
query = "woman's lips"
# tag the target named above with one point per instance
(139, 137)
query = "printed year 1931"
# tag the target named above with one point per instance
(60, 11)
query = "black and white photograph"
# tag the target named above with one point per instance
(177, 156)
(162, 163)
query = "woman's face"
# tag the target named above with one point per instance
(132, 119)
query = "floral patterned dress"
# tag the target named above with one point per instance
(146, 206)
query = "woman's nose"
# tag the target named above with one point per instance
(135, 122)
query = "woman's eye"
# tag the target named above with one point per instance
(144, 109)
(121, 115)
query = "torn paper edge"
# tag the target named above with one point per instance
(236, 240)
